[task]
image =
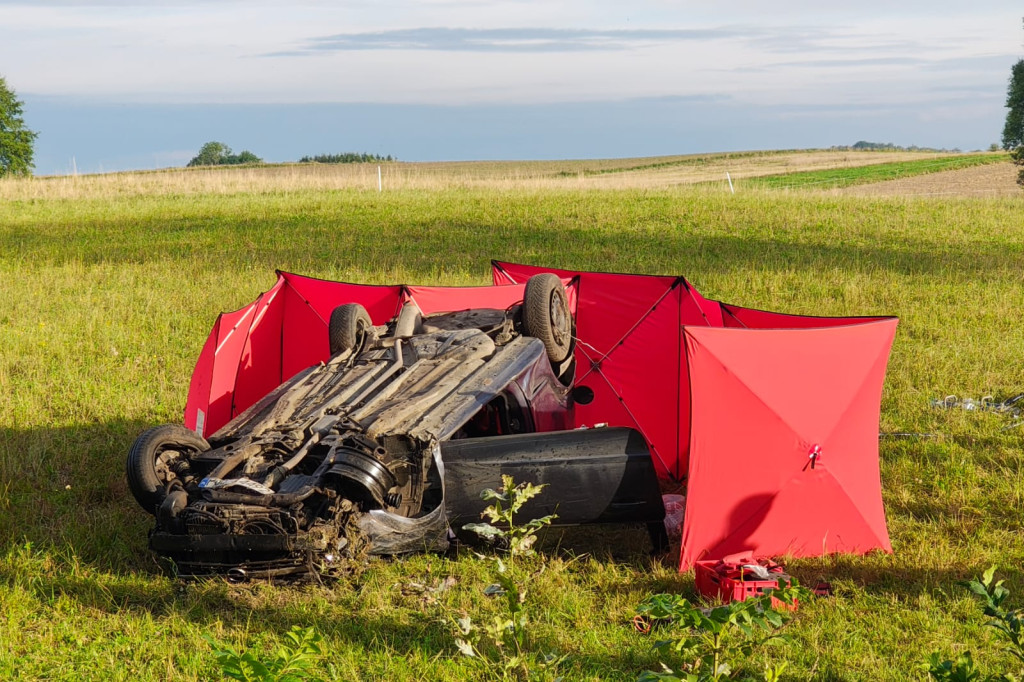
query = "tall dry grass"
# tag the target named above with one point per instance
(649, 173)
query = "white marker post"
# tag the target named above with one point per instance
(729, 178)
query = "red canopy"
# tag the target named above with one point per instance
(784, 441)
(731, 400)
(734, 401)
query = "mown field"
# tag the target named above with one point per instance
(108, 288)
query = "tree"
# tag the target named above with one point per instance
(1013, 131)
(246, 157)
(16, 141)
(219, 154)
(211, 154)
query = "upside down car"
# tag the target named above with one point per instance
(385, 448)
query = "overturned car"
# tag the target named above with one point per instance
(385, 448)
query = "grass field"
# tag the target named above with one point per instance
(110, 285)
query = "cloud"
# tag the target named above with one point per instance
(510, 39)
(853, 62)
(999, 63)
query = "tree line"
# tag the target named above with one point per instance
(219, 154)
(864, 146)
(346, 157)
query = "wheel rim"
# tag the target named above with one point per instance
(362, 334)
(164, 461)
(559, 320)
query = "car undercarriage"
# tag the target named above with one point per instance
(347, 458)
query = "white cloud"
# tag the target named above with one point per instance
(464, 51)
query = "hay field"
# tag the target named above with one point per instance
(109, 286)
(647, 173)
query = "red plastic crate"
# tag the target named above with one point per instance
(726, 580)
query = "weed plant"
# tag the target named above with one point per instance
(107, 298)
(503, 643)
(705, 642)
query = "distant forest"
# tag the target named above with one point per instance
(863, 146)
(347, 157)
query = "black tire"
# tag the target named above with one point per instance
(546, 315)
(350, 328)
(153, 458)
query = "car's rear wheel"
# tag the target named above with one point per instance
(350, 328)
(157, 457)
(546, 315)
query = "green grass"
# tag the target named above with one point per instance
(104, 305)
(834, 178)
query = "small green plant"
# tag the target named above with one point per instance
(293, 662)
(516, 540)
(1009, 625)
(502, 642)
(960, 670)
(706, 640)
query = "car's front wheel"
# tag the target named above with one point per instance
(159, 455)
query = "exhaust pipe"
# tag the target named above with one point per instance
(237, 576)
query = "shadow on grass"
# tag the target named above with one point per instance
(891, 576)
(604, 233)
(64, 488)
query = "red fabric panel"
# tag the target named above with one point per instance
(304, 339)
(611, 308)
(748, 318)
(231, 331)
(449, 299)
(514, 273)
(323, 296)
(607, 408)
(628, 329)
(609, 305)
(711, 311)
(197, 405)
(763, 401)
(644, 373)
(259, 366)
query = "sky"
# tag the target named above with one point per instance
(120, 85)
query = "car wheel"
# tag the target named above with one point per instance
(157, 457)
(350, 328)
(546, 315)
